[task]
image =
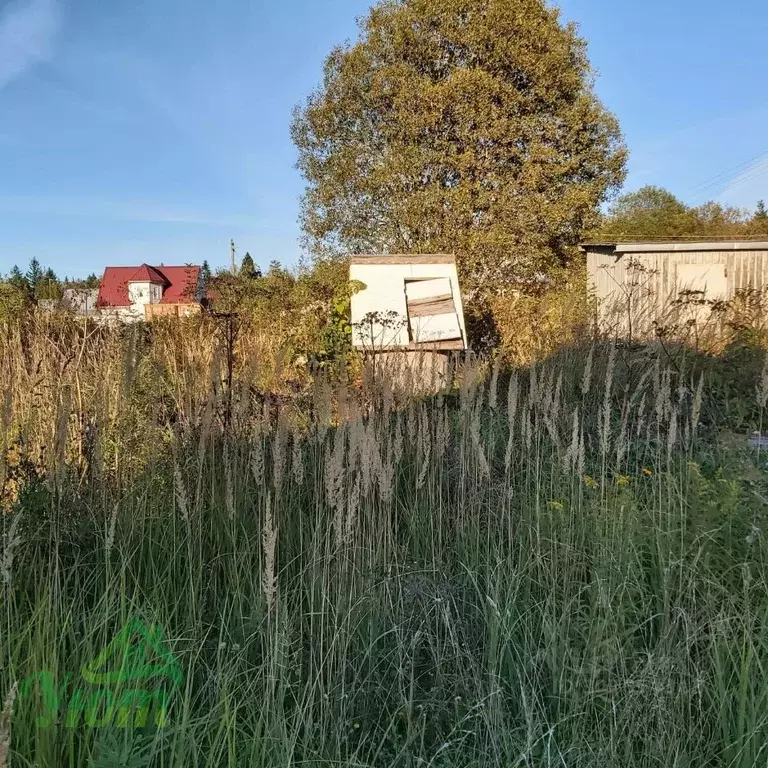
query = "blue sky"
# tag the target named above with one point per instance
(156, 130)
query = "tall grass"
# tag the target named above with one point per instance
(560, 566)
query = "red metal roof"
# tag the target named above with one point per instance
(180, 284)
(183, 284)
(147, 274)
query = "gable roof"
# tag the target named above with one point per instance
(180, 284)
(183, 285)
(147, 274)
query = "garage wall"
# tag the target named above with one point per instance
(646, 283)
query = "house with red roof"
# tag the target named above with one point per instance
(145, 292)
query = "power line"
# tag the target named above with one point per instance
(747, 176)
(725, 178)
(734, 169)
(751, 173)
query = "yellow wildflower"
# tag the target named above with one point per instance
(558, 505)
(590, 482)
(647, 472)
(622, 481)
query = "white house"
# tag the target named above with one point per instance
(145, 292)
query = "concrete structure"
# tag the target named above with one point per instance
(408, 303)
(145, 292)
(408, 317)
(80, 301)
(639, 286)
(77, 301)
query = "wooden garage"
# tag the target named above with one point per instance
(640, 286)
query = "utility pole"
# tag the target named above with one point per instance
(232, 248)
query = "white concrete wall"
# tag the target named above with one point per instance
(111, 315)
(385, 292)
(139, 293)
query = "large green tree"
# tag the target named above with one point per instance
(248, 268)
(653, 212)
(462, 126)
(15, 296)
(17, 279)
(34, 274)
(48, 286)
(648, 213)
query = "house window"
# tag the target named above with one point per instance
(432, 314)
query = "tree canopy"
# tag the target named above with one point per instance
(37, 284)
(653, 212)
(307, 311)
(17, 279)
(461, 126)
(34, 274)
(48, 286)
(248, 268)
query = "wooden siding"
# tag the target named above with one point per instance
(451, 345)
(437, 306)
(646, 283)
(152, 311)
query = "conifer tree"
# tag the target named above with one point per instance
(34, 274)
(248, 268)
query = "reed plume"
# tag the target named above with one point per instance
(269, 545)
(6, 716)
